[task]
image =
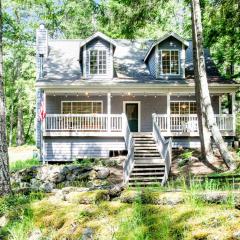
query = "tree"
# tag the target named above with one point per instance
(5, 186)
(205, 110)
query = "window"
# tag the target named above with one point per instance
(169, 62)
(183, 107)
(81, 107)
(98, 62)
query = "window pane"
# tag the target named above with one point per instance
(93, 62)
(165, 62)
(98, 62)
(174, 62)
(66, 107)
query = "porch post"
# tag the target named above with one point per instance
(168, 113)
(109, 111)
(43, 129)
(233, 112)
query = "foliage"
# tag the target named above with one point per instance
(17, 210)
(19, 165)
(185, 156)
(221, 28)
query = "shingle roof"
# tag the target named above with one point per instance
(62, 64)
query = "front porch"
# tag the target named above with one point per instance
(113, 124)
(104, 114)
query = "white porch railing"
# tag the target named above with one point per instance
(189, 122)
(84, 122)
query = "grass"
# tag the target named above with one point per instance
(17, 210)
(19, 165)
(61, 219)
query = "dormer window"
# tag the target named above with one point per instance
(169, 62)
(98, 62)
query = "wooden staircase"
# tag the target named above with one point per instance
(149, 167)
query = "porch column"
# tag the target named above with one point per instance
(43, 129)
(168, 113)
(109, 111)
(234, 112)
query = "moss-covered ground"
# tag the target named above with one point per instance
(58, 218)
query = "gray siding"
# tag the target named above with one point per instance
(99, 44)
(152, 64)
(149, 105)
(71, 148)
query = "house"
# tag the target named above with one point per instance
(104, 96)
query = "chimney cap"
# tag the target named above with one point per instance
(42, 26)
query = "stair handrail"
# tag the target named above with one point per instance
(164, 147)
(129, 162)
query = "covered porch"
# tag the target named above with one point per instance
(97, 114)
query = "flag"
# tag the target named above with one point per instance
(42, 112)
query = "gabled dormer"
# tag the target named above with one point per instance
(166, 57)
(96, 56)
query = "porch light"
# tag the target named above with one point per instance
(128, 93)
(184, 106)
(86, 93)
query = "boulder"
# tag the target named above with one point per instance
(87, 234)
(213, 197)
(129, 196)
(47, 187)
(35, 235)
(87, 197)
(115, 191)
(102, 173)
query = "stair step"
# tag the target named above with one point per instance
(150, 174)
(146, 151)
(160, 164)
(145, 147)
(132, 184)
(153, 169)
(145, 155)
(143, 179)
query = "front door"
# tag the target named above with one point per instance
(132, 113)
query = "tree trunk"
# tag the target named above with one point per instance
(20, 127)
(30, 125)
(5, 186)
(201, 82)
(204, 133)
(11, 123)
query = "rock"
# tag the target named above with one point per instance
(47, 187)
(35, 235)
(102, 173)
(87, 197)
(213, 197)
(23, 190)
(87, 234)
(3, 221)
(115, 191)
(129, 196)
(236, 235)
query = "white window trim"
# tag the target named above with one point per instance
(89, 63)
(160, 63)
(139, 111)
(81, 101)
(179, 101)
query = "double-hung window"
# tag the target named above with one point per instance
(81, 107)
(169, 62)
(98, 62)
(183, 107)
